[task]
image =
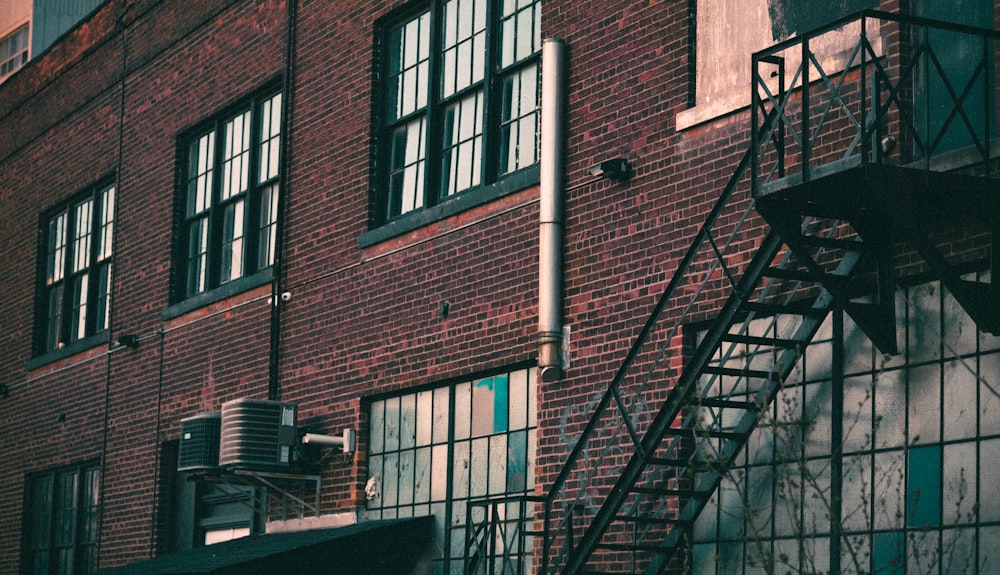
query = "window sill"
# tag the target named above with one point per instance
(466, 200)
(220, 293)
(67, 350)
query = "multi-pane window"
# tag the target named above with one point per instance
(63, 509)
(230, 192)
(460, 105)
(913, 477)
(13, 51)
(432, 451)
(78, 241)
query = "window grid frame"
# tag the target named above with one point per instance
(62, 520)
(204, 210)
(454, 498)
(76, 265)
(435, 187)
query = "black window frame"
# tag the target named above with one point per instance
(488, 178)
(78, 536)
(187, 291)
(59, 327)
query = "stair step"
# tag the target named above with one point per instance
(791, 274)
(737, 372)
(725, 403)
(661, 491)
(626, 547)
(690, 433)
(761, 340)
(644, 520)
(688, 464)
(837, 243)
(774, 309)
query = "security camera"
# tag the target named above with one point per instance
(286, 296)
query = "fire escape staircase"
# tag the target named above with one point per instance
(648, 461)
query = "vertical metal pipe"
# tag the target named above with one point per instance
(551, 190)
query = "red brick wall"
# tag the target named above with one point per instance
(361, 321)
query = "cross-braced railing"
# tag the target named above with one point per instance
(875, 87)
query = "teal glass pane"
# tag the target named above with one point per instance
(923, 487)
(888, 554)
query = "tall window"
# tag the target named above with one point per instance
(913, 477)
(230, 192)
(78, 241)
(460, 100)
(13, 52)
(63, 508)
(432, 451)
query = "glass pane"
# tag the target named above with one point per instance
(270, 138)
(989, 471)
(375, 472)
(489, 406)
(499, 457)
(392, 424)
(406, 477)
(56, 264)
(479, 467)
(925, 404)
(197, 256)
(424, 415)
(519, 124)
(422, 475)
(232, 242)
(441, 411)
(923, 487)
(390, 479)
(102, 314)
(889, 486)
(521, 31)
(236, 156)
(406, 178)
(267, 226)
(106, 201)
(461, 158)
(201, 162)
(888, 553)
(518, 399)
(408, 66)
(959, 488)
(960, 399)
(517, 461)
(463, 410)
(408, 423)
(377, 427)
(439, 473)
(81, 287)
(54, 323)
(82, 221)
(460, 471)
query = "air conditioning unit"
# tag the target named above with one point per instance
(199, 447)
(257, 433)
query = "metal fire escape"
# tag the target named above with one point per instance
(853, 170)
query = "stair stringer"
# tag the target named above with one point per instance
(679, 398)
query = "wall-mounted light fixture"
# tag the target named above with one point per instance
(615, 169)
(129, 341)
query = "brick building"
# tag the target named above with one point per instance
(616, 313)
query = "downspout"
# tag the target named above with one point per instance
(551, 361)
(277, 282)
